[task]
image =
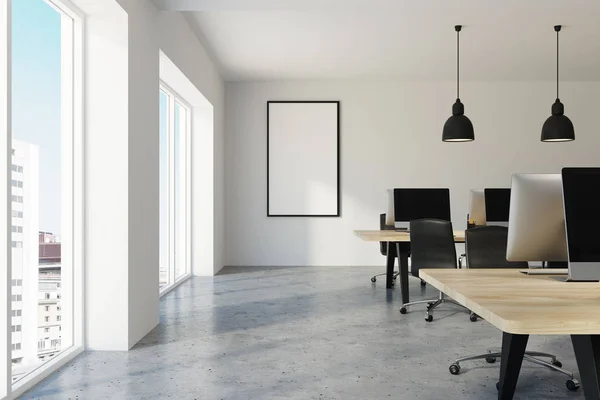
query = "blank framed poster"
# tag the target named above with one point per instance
(303, 158)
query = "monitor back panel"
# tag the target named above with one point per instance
(497, 204)
(412, 204)
(581, 195)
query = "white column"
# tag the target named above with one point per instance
(122, 179)
(106, 179)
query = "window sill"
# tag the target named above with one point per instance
(44, 370)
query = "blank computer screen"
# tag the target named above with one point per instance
(411, 204)
(497, 204)
(581, 193)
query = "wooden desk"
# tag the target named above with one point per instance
(521, 305)
(398, 245)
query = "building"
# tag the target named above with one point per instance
(36, 269)
(25, 256)
(49, 296)
(49, 312)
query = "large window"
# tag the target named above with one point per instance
(46, 186)
(174, 188)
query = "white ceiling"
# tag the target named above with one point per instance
(407, 40)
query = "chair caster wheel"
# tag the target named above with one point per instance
(403, 310)
(454, 369)
(490, 360)
(423, 283)
(373, 279)
(473, 317)
(557, 363)
(429, 318)
(573, 385)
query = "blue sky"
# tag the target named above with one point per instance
(36, 90)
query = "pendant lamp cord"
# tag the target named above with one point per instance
(557, 63)
(457, 64)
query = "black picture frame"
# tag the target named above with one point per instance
(338, 161)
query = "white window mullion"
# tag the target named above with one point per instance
(188, 192)
(78, 185)
(171, 175)
(67, 124)
(5, 198)
(180, 192)
(178, 116)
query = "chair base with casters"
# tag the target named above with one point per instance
(396, 273)
(431, 305)
(374, 277)
(531, 356)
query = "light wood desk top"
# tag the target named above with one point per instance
(522, 304)
(397, 236)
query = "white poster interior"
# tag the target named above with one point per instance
(303, 158)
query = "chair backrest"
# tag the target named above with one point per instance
(382, 226)
(432, 244)
(486, 248)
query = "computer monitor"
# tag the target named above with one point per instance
(389, 215)
(536, 224)
(477, 207)
(411, 204)
(497, 206)
(581, 194)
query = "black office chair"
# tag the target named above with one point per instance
(383, 248)
(463, 257)
(432, 246)
(486, 248)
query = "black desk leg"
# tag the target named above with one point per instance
(391, 259)
(403, 267)
(513, 349)
(587, 353)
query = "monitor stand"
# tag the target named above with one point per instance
(567, 279)
(402, 226)
(582, 272)
(497, 223)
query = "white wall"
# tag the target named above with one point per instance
(122, 153)
(179, 43)
(202, 165)
(106, 227)
(391, 137)
(143, 167)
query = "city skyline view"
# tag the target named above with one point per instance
(36, 278)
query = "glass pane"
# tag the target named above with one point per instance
(180, 192)
(36, 185)
(164, 189)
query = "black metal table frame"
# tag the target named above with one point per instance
(401, 250)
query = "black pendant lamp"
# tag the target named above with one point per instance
(558, 127)
(458, 128)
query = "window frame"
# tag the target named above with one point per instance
(173, 99)
(72, 143)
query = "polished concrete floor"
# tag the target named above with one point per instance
(302, 333)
